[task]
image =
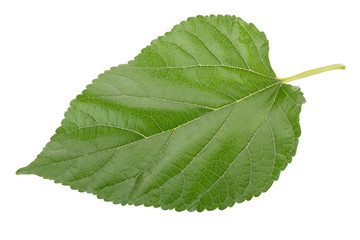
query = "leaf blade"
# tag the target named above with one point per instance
(228, 102)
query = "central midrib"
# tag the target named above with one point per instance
(172, 129)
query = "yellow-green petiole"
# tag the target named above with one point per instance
(312, 72)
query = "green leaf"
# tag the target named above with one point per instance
(198, 120)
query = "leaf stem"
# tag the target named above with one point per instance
(312, 72)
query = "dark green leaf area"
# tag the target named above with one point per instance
(198, 120)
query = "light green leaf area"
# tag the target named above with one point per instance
(198, 120)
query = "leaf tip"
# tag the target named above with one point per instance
(20, 171)
(23, 171)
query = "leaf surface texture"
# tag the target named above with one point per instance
(198, 120)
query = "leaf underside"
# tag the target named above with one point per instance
(198, 120)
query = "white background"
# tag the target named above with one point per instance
(51, 50)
